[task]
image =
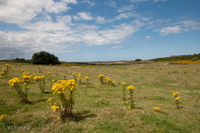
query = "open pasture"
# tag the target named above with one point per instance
(104, 110)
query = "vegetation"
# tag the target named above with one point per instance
(180, 57)
(161, 98)
(43, 57)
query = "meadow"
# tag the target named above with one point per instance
(102, 109)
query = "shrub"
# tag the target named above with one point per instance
(138, 60)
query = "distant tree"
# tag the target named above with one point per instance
(138, 60)
(43, 57)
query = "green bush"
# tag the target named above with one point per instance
(138, 60)
(43, 57)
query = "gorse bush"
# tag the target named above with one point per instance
(16, 84)
(43, 57)
(65, 98)
(123, 86)
(41, 82)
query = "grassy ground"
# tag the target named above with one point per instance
(104, 110)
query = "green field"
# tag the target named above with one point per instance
(104, 110)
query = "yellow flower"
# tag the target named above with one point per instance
(156, 108)
(58, 118)
(27, 87)
(86, 77)
(113, 82)
(123, 83)
(130, 87)
(127, 102)
(175, 93)
(63, 74)
(129, 107)
(49, 99)
(1, 117)
(53, 80)
(54, 108)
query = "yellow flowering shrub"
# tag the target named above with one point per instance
(109, 81)
(74, 76)
(100, 77)
(41, 82)
(65, 97)
(131, 91)
(79, 79)
(123, 86)
(177, 98)
(16, 84)
(87, 80)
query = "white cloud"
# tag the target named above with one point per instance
(190, 24)
(126, 15)
(125, 8)
(83, 15)
(64, 19)
(21, 11)
(70, 1)
(115, 47)
(147, 38)
(92, 3)
(169, 30)
(100, 20)
(111, 3)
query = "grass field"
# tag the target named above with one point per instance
(104, 110)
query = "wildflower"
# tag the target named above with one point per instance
(27, 87)
(58, 118)
(86, 77)
(157, 108)
(130, 87)
(49, 99)
(54, 108)
(1, 117)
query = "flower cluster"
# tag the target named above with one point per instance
(41, 82)
(16, 84)
(87, 78)
(4, 72)
(64, 90)
(130, 88)
(100, 77)
(109, 81)
(157, 108)
(79, 79)
(177, 98)
(14, 81)
(55, 108)
(175, 94)
(74, 76)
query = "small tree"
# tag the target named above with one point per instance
(43, 57)
(138, 60)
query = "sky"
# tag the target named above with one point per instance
(99, 30)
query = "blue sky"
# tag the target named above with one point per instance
(99, 30)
